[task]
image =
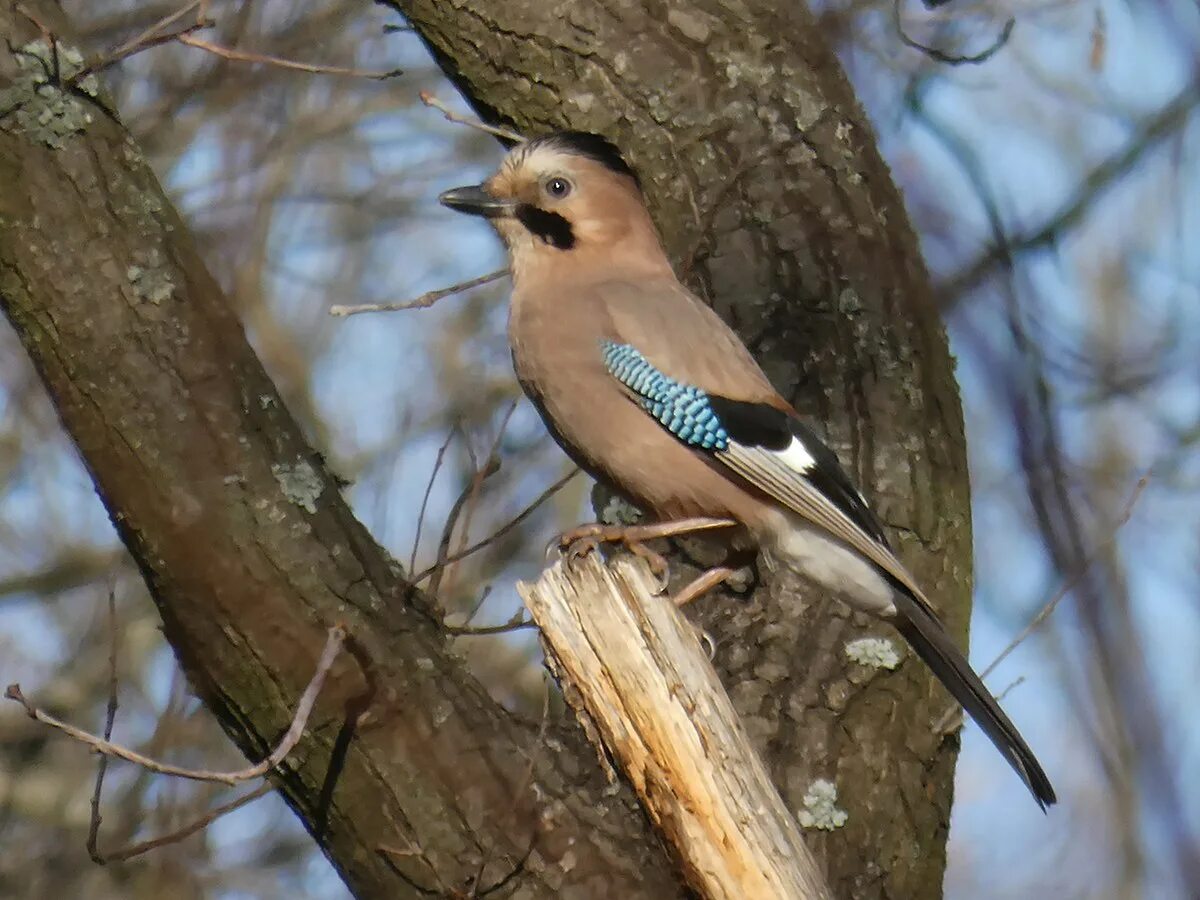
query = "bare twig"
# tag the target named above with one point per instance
(1052, 603)
(952, 716)
(1099, 40)
(110, 717)
(1016, 683)
(188, 830)
(503, 529)
(490, 467)
(483, 595)
(473, 501)
(47, 33)
(952, 59)
(437, 466)
(451, 116)
(279, 62)
(518, 622)
(425, 301)
(333, 644)
(153, 36)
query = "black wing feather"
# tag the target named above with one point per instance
(760, 425)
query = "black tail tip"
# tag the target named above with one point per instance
(1046, 798)
(1039, 785)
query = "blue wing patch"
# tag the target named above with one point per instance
(682, 409)
(714, 423)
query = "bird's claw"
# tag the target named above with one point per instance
(571, 546)
(579, 549)
(577, 544)
(656, 561)
(707, 642)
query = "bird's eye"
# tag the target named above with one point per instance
(558, 187)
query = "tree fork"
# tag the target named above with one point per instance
(763, 174)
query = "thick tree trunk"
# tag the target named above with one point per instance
(764, 176)
(247, 546)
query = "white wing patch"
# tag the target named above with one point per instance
(796, 456)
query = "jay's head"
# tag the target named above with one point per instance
(565, 196)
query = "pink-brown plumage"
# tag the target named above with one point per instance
(589, 271)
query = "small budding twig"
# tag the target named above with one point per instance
(153, 36)
(229, 53)
(425, 301)
(157, 35)
(333, 645)
(451, 116)
(490, 467)
(437, 467)
(476, 483)
(518, 622)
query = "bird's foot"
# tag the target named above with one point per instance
(701, 585)
(579, 542)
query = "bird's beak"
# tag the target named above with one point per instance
(476, 201)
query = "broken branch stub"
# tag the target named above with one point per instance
(636, 675)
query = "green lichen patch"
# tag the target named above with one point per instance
(820, 807)
(617, 511)
(45, 101)
(873, 652)
(300, 483)
(150, 278)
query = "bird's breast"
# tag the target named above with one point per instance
(558, 360)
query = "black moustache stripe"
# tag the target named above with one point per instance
(547, 226)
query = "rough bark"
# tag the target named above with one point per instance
(764, 175)
(247, 546)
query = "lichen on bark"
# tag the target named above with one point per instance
(48, 99)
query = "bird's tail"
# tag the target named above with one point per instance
(921, 628)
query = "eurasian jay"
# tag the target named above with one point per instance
(647, 389)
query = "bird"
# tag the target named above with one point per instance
(648, 390)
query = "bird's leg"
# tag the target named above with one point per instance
(579, 542)
(700, 586)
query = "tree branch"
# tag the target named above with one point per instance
(333, 645)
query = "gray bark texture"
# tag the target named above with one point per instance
(763, 174)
